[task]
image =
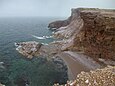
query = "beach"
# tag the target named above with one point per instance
(77, 62)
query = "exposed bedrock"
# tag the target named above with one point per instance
(28, 49)
(32, 48)
(90, 31)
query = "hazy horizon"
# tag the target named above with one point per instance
(48, 8)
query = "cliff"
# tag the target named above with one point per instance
(90, 31)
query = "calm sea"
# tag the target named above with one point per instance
(21, 29)
(17, 68)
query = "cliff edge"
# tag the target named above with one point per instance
(90, 31)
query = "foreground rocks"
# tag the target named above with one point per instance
(99, 77)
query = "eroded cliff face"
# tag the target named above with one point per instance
(90, 31)
(97, 36)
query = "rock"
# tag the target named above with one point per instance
(96, 37)
(28, 49)
(58, 24)
(32, 48)
(98, 77)
(90, 30)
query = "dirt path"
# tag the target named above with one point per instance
(77, 63)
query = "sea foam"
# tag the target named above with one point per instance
(43, 37)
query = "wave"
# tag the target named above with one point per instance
(45, 43)
(43, 37)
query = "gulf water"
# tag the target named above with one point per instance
(21, 30)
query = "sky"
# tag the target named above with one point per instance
(62, 8)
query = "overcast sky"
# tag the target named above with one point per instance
(48, 7)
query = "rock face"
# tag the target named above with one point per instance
(91, 31)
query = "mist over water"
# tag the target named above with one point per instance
(14, 8)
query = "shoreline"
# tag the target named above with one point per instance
(76, 63)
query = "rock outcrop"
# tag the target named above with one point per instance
(91, 31)
(28, 49)
(99, 77)
(58, 24)
(33, 48)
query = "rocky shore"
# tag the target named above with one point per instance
(88, 31)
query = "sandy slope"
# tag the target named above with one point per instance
(77, 62)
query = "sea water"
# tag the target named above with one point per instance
(21, 30)
(14, 30)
